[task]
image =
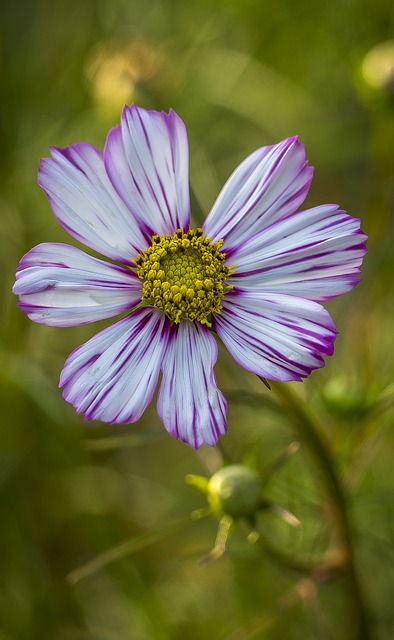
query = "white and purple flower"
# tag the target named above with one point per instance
(255, 273)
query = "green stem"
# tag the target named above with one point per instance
(310, 433)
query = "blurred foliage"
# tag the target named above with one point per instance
(96, 538)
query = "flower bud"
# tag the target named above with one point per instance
(235, 490)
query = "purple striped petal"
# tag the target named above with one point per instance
(86, 204)
(62, 286)
(147, 159)
(268, 186)
(277, 337)
(190, 405)
(315, 254)
(114, 375)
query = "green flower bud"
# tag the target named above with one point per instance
(235, 490)
(344, 399)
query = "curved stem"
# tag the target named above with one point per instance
(309, 432)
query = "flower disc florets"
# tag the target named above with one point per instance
(184, 275)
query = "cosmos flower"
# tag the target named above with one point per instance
(254, 274)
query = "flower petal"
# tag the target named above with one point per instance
(62, 286)
(147, 159)
(269, 185)
(86, 204)
(315, 254)
(190, 405)
(275, 336)
(114, 375)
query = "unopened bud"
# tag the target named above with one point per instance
(235, 490)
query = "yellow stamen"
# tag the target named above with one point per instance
(184, 275)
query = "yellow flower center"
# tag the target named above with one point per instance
(184, 275)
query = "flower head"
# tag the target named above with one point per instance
(255, 274)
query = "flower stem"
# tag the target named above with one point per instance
(309, 432)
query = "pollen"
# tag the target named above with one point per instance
(184, 275)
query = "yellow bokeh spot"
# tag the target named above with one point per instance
(114, 71)
(378, 66)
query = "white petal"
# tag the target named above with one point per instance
(190, 404)
(62, 286)
(114, 375)
(314, 254)
(269, 185)
(86, 204)
(147, 159)
(275, 336)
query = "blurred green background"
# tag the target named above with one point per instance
(96, 539)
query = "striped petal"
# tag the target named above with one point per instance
(268, 186)
(277, 337)
(147, 159)
(62, 286)
(315, 254)
(114, 375)
(190, 404)
(86, 204)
